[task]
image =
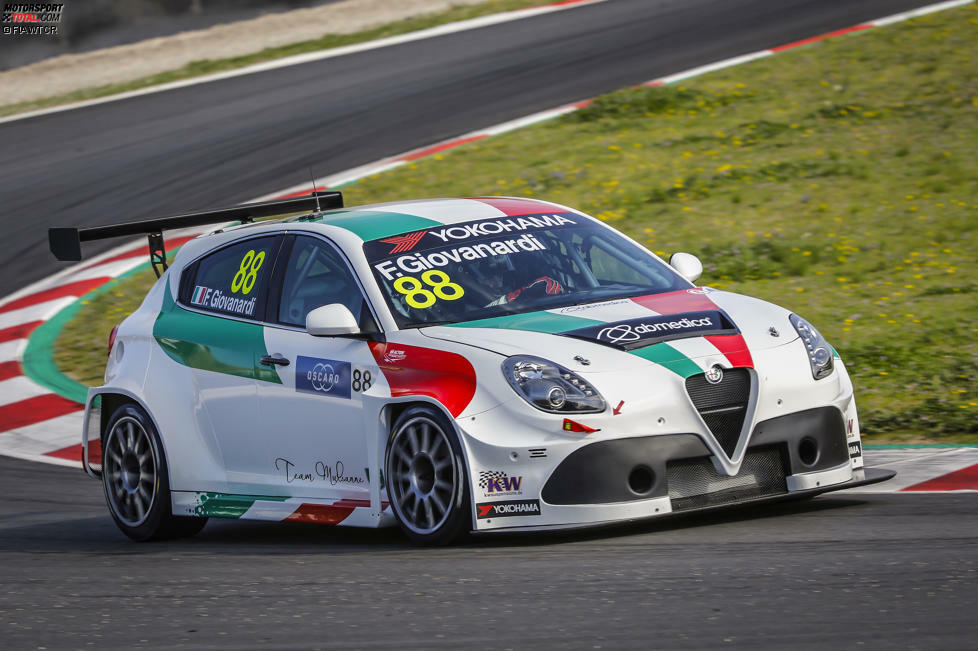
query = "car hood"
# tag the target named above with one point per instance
(610, 335)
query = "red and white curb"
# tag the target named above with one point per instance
(40, 425)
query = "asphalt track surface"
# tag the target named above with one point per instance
(228, 141)
(837, 572)
(870, 571)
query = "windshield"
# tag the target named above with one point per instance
(509, 265)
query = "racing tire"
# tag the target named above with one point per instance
(136, 481)
(427, 483)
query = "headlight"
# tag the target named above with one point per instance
(819, 352)
(551, 387)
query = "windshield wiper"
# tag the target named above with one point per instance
(425, 324)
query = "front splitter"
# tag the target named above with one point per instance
(860, 477)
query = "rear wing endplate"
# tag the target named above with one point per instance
(66, 242)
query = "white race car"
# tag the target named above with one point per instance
(452, 366)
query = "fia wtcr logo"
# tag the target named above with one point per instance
(497, 482)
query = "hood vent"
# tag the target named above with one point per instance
(722, 406)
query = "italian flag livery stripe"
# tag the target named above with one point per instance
(679, 356)
(277, 509)
(733, 347)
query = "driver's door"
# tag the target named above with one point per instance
(313, 421)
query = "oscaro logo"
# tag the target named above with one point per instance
(322, 377)
(625, 332)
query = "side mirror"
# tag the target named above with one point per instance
(331, 320)
(688, 265)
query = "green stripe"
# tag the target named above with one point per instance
(223, 505)
(211, 343)
(672, 359)
(38, 362)
(532, 322)
(371, 225)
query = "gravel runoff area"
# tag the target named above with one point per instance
(123, 63)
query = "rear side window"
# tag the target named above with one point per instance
(234, 280)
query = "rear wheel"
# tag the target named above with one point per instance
(426, 478)
(136, 482)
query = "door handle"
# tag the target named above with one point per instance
(274, 360)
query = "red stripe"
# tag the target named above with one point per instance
(320, 513)
(35, 410)
(141, 252)
(815, 39)
(359, 503)
(677, 302)
(447, 377)
(71, 289)
(516, 207)
(734, 348)
(71, 453)
(964, 479)
(74, 452)
(428, 151)
(9, 370)
(18, 331)
(654, 82)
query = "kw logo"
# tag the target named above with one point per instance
(496, 482)
(404, 242)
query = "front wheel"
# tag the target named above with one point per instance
(136, 482)
(426, 478)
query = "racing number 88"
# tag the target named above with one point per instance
(438, 280)
(244, 280)
(361, 381)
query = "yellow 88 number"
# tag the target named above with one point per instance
(441, 287)
(244, 280)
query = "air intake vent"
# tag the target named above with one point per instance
(723, 405)
(694, 483)
(538, 453)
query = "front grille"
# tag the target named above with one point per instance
(695, 483)
(722, 406)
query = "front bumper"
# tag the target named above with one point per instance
(637, 477)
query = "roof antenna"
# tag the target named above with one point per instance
(315, 194)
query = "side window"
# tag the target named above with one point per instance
(232, 281)
(610, 268)
(316, 275)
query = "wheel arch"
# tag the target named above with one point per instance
(390, 413)
(111, 400)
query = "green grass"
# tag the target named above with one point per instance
(210, 66)
(837, 180)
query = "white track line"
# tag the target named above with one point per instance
(19, 388)
(30, 314)
(13, 350)
(441, 30)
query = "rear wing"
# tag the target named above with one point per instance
(66, 242)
